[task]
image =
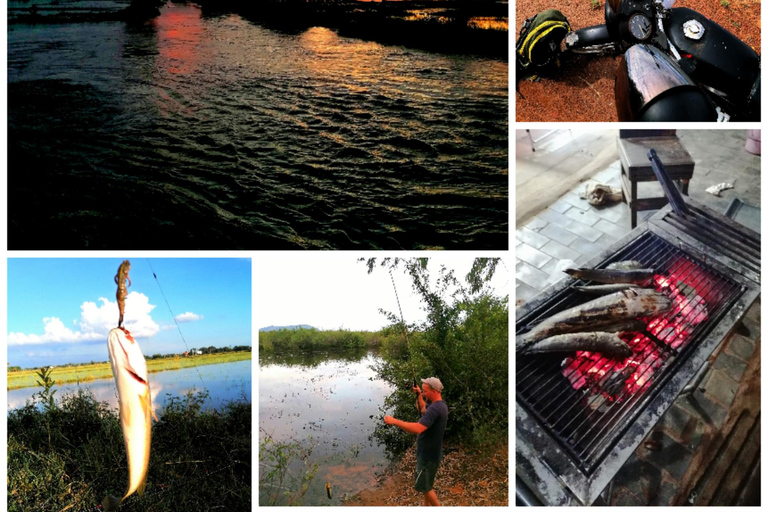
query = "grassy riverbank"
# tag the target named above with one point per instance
(87, 372)
(70, 456)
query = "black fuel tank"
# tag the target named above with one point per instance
(650, 86)
(718, 59)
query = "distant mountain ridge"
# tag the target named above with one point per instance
(285, 327)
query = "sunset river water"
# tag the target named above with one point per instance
(197, 131)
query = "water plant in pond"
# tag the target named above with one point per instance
(276, 482)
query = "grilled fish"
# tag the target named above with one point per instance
(641, 276)
(604, 289)
(608, 344)
(594, 315)
(625, 265)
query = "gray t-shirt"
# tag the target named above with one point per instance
(429, 445)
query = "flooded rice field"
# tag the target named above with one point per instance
(212, 132)
(225, 382)
(332, 401)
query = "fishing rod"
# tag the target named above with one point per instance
(405, 330)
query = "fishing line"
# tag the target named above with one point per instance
(176, 322)
(405, 329)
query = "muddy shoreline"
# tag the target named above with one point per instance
(466, 477)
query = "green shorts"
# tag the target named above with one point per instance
(425, 474)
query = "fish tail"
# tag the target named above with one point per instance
(111, 503)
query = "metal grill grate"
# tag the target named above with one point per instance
(739, 244)
(586, 401)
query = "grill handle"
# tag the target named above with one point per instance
(673, 195)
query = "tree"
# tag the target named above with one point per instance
(464, 342)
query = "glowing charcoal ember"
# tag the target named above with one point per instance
(615, 380)
(689, 311)
(619, 380)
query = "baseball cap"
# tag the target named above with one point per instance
(434, 383)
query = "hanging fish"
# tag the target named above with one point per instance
(122, 289)
(131, 378)
(328, 489)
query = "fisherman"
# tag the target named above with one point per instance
(430, 429)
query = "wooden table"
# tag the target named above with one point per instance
(636, 167)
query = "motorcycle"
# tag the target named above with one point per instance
(675, 64)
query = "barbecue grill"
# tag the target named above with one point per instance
(580, 417)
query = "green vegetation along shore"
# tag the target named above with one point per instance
(70, 454)
(309, 340)
(86, 372)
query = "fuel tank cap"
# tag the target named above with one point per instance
(692, 29)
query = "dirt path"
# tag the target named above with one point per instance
(478, 478)
(583, 88)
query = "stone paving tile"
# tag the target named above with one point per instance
(585, 247)
(753, 313)
(560, 251)
(731, 366)
(554, 269)
(673, 457)
(722, 388)
(531, 256)
(586, 232)
(532, 238)
(524, 293)
(616, 213)
(536, 224)
(608, 173)
(555, 232)
(675, 421)
(702, 407)
(612, 229)
(560, 206)
(625, 498)
(588, 217)
(531, 276)
(637, 476)
(554, 217)
(605, 241)
(741, 347)
(750, 326)
(662, 496)
(694, 438)
(573, 199)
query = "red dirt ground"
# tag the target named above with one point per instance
(583, 88)
(464, 479)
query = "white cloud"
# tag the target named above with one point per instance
(188, 317)
(95, 323)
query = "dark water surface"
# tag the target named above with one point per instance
(215, 132)
(224, 382)
(333, 401)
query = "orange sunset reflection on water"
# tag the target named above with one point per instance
(180, 33)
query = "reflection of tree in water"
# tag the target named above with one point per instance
(314, 359)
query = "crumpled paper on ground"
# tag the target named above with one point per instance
(597, 194)
(716, 189)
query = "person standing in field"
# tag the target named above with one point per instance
(430, 429)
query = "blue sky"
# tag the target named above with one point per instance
(60, 310)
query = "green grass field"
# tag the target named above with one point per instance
(86, 372)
